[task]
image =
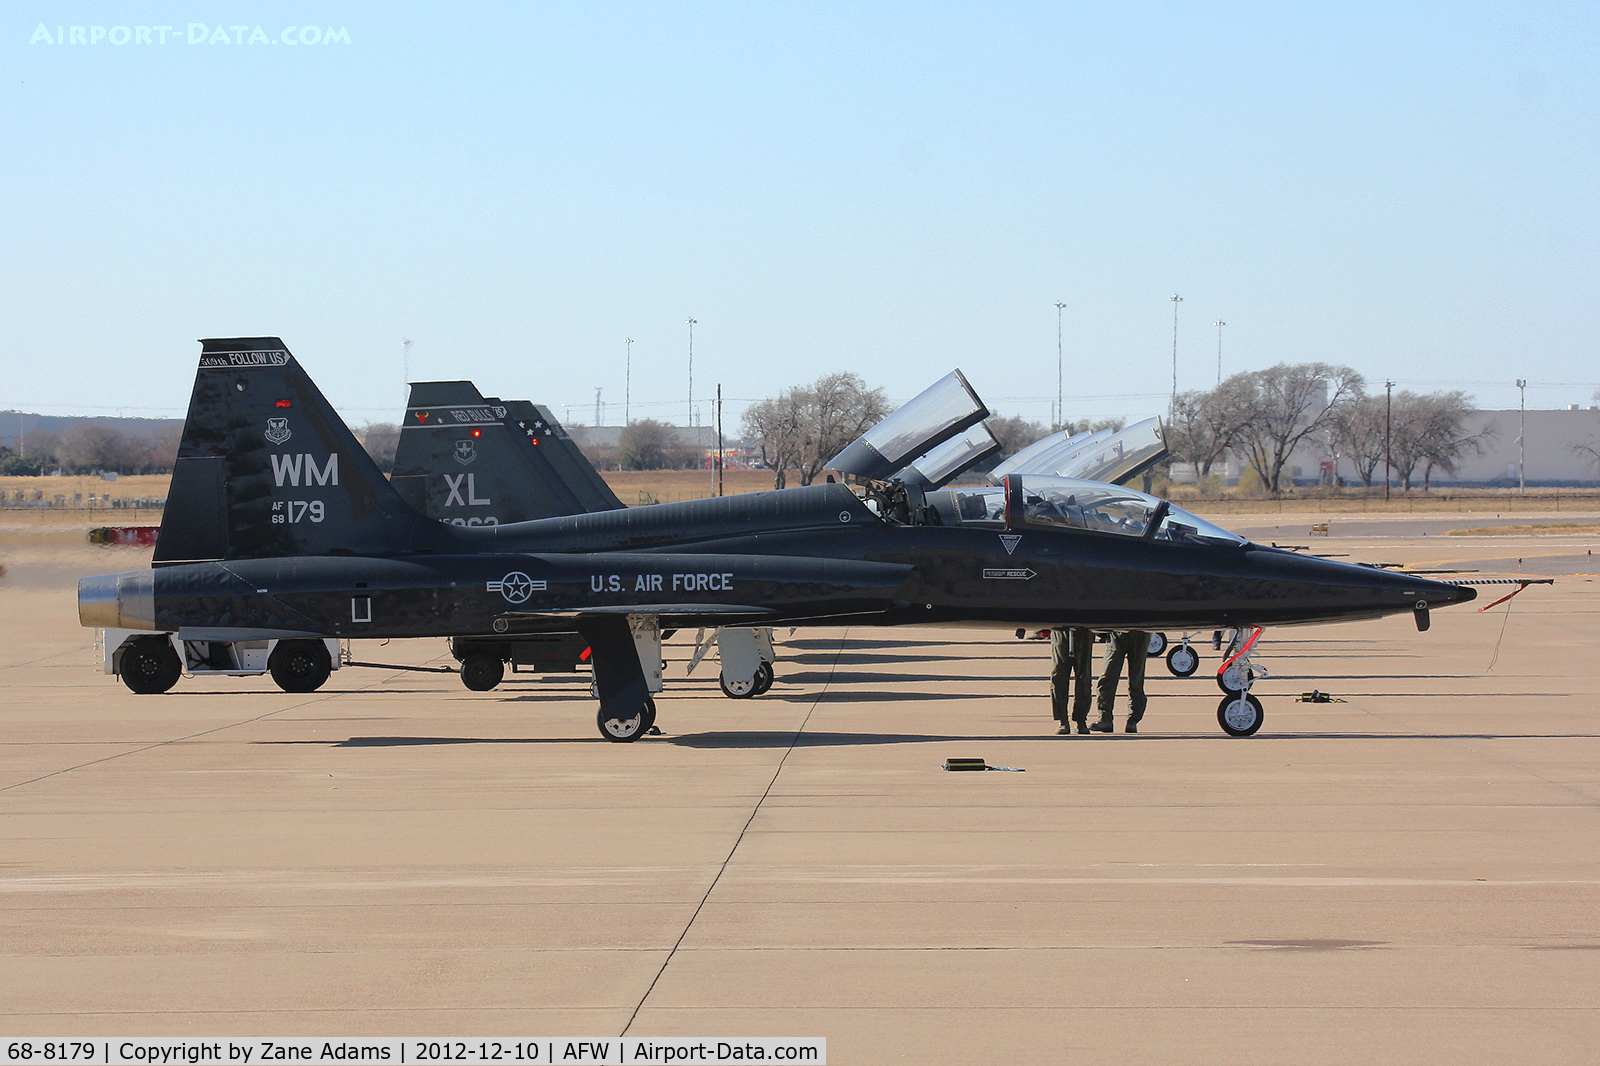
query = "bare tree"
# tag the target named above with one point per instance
(1407, 428)
(1283, 405)
(774, 427)
(87, 447)
(807, 425)
(1203, 427)
(839, 408)
(651, 445)
(1358, 429)
(1445, 439)
(1014, 433)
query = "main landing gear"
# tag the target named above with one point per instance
(1240, 714)
(1182, 660)
(743, 688)
(746, 656)
(623, 729)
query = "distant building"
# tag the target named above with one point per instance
(1550, 457)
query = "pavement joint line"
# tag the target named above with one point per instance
(838, 654)
(41, 659)
(179, 740)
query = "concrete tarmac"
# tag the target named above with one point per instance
(1410, 875)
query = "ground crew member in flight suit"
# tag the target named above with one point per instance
(1132, 645)
(1071, 669)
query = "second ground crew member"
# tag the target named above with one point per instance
(1132, 645)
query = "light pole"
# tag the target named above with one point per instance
(407, 373)
(1388, 401)
(1522, 434)
(1176, 300)
(1219, 324)
(627, 385)
(691, 371)
(1060, 414)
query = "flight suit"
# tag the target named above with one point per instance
(1071, 673)
(1132, 645)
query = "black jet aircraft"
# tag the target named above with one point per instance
(472, 460)
(279, 526)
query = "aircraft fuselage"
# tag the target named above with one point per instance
(860, 570)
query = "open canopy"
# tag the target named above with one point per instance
(941, 465)
(935, 415)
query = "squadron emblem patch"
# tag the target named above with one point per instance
(277, 430)
(465, 452)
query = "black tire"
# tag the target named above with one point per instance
(300, 665)
(764, 678)
(1158, 644)
(627, 730)
(1227, 681)
(149, 665)
(481, 671)
(1183, 661)
(1240, 715)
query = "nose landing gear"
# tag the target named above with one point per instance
(1240, 714)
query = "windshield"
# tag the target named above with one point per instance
(1181, 527)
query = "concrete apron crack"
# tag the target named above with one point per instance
(324, 698)
(712, 887)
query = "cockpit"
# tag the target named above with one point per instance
(1035, 501)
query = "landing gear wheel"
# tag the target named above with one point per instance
(149, 665)
(1231, 680)
(1158, 643)
(764, 678)
(738, 688)
(481, 671)
(1183, 661)
(300, 665)
(627, 730)
(1240, 715)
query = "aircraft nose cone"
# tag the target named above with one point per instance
(1425, 592)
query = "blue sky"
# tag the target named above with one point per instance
(1409, 190)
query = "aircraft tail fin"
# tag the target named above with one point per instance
(267, 468)
(468, 459)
